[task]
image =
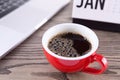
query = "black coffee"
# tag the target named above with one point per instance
(69, 45)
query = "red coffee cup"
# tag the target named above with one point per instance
(74, 64)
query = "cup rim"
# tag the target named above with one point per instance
(69, 58)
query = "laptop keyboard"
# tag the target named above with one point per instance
(6, 6)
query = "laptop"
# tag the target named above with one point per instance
(20, 18)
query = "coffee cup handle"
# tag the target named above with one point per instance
(101, 60)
